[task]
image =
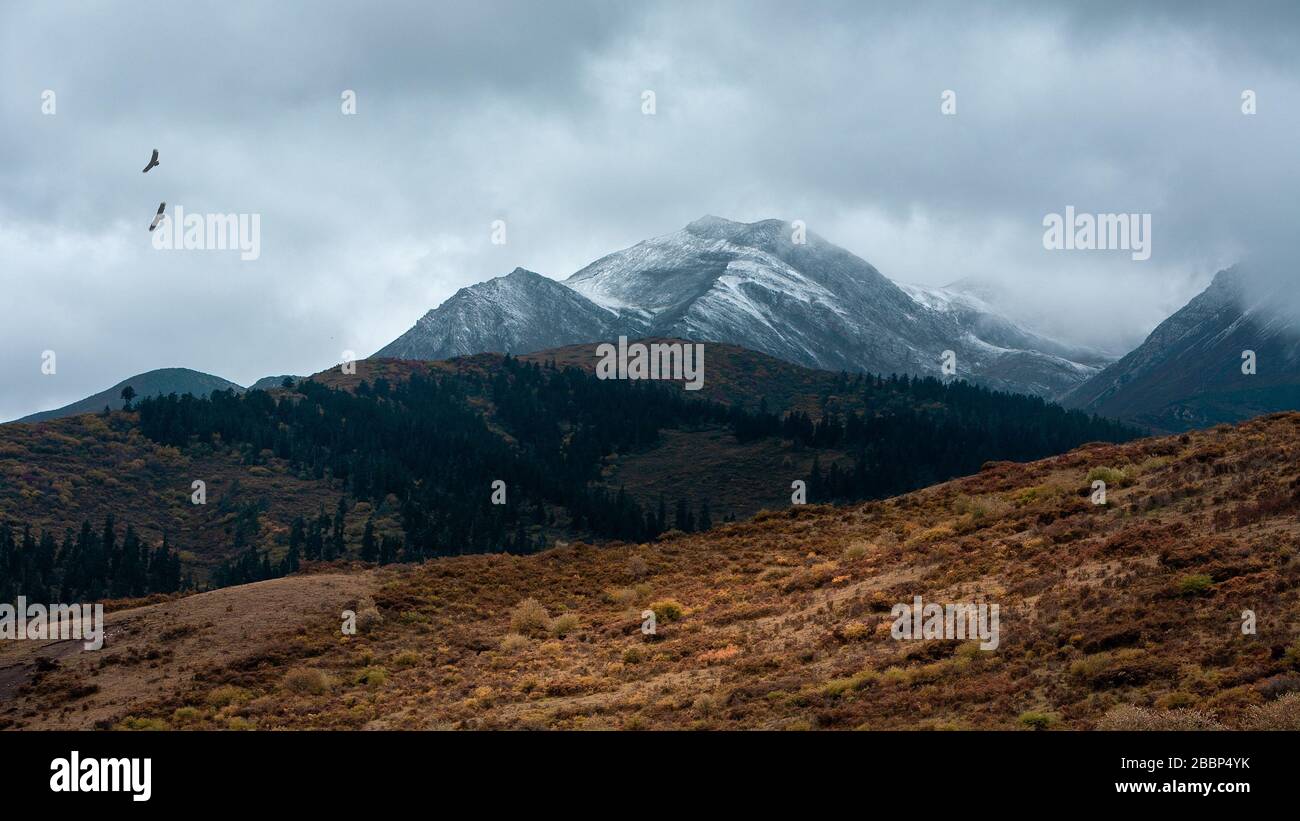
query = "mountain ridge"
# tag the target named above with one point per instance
(1189, 370)
(809, 302)
(160, 381)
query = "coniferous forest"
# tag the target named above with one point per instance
(439, 444)
(91, 564)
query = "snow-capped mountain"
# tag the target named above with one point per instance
(1189, 371)
(972, 304)
(518, 313)
(752, 285)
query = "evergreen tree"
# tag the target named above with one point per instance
(369, 550)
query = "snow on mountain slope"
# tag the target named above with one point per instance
(752, 285)
(988, 323)
(1188, 373)
(518, 313)
(816, 304)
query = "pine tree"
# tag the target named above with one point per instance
(368, 548)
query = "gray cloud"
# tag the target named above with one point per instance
(530, 112)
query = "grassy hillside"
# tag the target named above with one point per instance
(57, 474)
(1127, 614)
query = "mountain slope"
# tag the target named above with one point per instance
(962, 301)
(747, 284)
(150, 383)
(811, 302)
(1124, 615)
(267, 383)
(517, 313)
(416, 445)
(1188, 372)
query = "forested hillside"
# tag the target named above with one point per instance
(512, 456)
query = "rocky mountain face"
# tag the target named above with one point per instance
(752, 285)
(518, 313)
(975, 307)
(1190, 372)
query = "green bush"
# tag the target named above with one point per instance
(1195, 584)
(1037, 721)
(1111, 476)
(668, 609)
(372, 676)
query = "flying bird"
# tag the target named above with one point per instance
(152, 162)
(160, 216)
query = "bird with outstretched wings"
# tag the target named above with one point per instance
(152, 162)
(160, 216)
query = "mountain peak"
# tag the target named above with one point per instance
(519, 312)
(711, 221)
(713, 227)
(756, 284)
(158, 382)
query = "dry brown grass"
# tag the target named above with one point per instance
(779, 624)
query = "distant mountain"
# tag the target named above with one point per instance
(151, 383)
(518, 313)
(974, 306)
(1188, 372)
(747, 284)
(266, 383)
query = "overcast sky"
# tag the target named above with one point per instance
(531, 112)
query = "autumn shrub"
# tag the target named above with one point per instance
(1037, 721)
(1130, 717)
(406, 658)
(372, 676)
(562, 626)
(513, 642)
(1113, 477)
(637, 567)
(1195, 584)
(809, 578)
(368, 616)
(667, 609)
(223, 696)
(1282, 714)
(530, 618)
(306, 680)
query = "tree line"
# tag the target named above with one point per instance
(88, 565)
(437, 442)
